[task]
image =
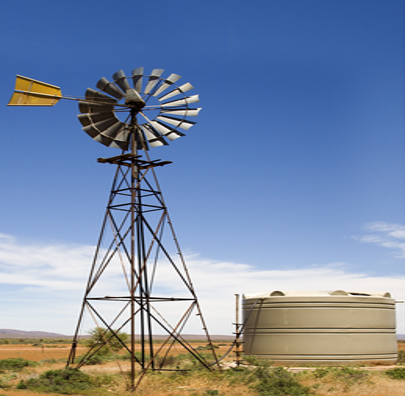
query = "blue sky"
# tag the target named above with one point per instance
(292, 178)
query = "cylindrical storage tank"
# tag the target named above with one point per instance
(320, 328)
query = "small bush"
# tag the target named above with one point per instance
(279, 382)
(99, 337)
(396, 373)
(15, 364)
(3, 382)
(267, 381)
(68, 382)
(96, 359)
(161, 361)
(401, 357)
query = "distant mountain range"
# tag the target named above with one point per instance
(11, 333)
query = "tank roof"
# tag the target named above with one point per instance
(316, 293)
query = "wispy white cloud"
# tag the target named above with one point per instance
(41, 285)
(389, 235)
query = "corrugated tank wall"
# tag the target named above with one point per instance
(320, 328)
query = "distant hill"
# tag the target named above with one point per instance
(11, 333)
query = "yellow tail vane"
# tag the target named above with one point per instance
(29, 92)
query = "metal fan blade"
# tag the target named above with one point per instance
(184, 124)
(174, 135)
(113, 130)
(182, 102)
(95, 96)
(152, 136)
(103, 140)
(153, 79)
(184, 88)
(102, 126)
(170, 133)
(119, 145)
(91, 131)
(92, 118)
(111, 142)
(185, 112)
(109, 88)
(84, 119)
(123, 135)
(120, 78)
(169, 81)
(137, 75)
(85, 107)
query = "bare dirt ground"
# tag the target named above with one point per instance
(61, 351)
(36, 353)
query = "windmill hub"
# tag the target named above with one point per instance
(133, 99)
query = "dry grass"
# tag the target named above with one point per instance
(376, 384)
(196, 383)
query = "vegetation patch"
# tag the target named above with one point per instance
(396, 373)
(278, 382)
(68, 382)
(268, 381)
(15, 364)
(208, 347)
(342, 377)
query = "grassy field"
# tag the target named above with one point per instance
(257, 379)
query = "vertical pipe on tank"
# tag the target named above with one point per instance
(237, 333)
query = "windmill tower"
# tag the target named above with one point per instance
(138, 264)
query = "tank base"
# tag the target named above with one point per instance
(329, 361)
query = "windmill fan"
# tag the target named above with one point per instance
(128, 95)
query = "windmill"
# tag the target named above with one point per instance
(138, 255)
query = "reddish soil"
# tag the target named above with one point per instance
(36, 353)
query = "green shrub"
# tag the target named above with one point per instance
(3, 382)
(99, 336)
(278, 382)
(396, 373)
(267, 381)
(401, 357)
(68, 382)
(15, 364)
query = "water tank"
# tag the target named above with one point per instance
(320, 328)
